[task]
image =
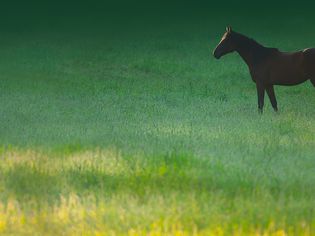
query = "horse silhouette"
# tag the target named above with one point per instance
(268, 66)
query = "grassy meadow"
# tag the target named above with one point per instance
(141, 131)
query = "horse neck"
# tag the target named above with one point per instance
(249, 50)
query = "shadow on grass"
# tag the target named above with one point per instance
(25, 181)
(146, 176)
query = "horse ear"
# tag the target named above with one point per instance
(228, 29)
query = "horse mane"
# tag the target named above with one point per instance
(259, 52)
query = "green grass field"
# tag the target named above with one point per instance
(143, 132)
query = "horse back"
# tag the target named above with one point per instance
(309, 56)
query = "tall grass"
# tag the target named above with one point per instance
(104, 191)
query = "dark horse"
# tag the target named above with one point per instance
(269, 66)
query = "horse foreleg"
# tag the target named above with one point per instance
(261, 96)
(272, 97)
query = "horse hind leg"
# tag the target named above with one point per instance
(272, 97)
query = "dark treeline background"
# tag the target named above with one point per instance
(49, 16)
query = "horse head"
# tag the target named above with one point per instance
(226, 45)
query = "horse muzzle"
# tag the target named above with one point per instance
(215, 54)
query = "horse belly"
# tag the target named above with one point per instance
(289, 71)
(288, 78)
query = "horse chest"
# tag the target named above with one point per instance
(259, 74)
